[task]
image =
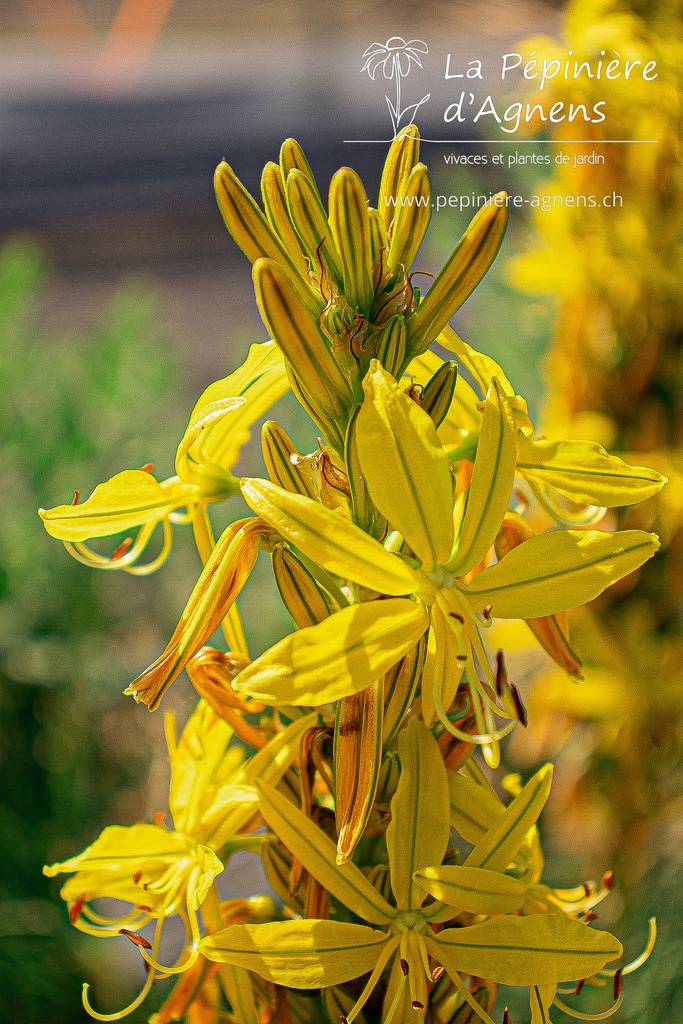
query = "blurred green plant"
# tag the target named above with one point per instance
(67, 410)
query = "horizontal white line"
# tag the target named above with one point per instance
(518, 142)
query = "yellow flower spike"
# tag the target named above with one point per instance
(584, 472)
(304, 598)
(492, 482)
(221, 421)
(556, 571)
(403, 154)
(336, 658)
(129, 500)
(310, 221)
(459, 276)
(406, 468)
(329, 540)
(421, 800)
(274, 200)
(221, 580)
(413, 215)
(357, 760)
(348, 205)
(302, 342)
(251, 230)
(285, 466)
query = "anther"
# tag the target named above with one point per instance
(417, 1005)
(579, 987)
(121, 549)
(487, 612)
(147, 468)
(137, 940)
(608, 880)
(438, 973)
(343, 1019)
(76, 908)
(77, 498)
(618, 983)
(520, 710)
(405, 967)
(590, 916)
(145, 909)
(159, 817)
(501, 673)
(461, 658)
(507, 1019)
(136, 877)
(457, 617)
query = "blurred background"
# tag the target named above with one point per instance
(122, 296)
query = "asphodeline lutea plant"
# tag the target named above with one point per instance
(394, 546)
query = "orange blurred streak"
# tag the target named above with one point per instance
(131, 38)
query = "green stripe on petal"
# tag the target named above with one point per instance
(476, 890)
(298, 954)
(502, 842)
(350, 226)
(336, 658)
(403, 154)
(420, 820)
(537, 950)
(330, 540)
(406, 468)
(312, 226)
(584, 472)
(492, 482)
(412, 218)
(318, 854)
(555, 571)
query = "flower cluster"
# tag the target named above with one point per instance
(394, 546)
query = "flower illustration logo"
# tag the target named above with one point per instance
(396, 58)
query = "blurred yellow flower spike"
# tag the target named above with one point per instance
(524, 951)
(165, 872)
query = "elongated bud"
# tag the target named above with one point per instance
(413, 215)
(247, 224)
(391, 347)
(312, 226)
(379, 240)
(438, 393)
(277, 214)
(284, 465)
(302, 342)
(357, 761)
(400, 687)
(351, 232)
(306, 601)
(292, 158)
(459, 276)
(403, 154)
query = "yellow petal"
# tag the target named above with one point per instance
(363, 511)
(130, 499)
(459, 276)
(584, 472)
(336, 658)
(198, 763)
(238, 988)
(298, 954)
(214, 443)
(475, 890)
(500, 844)
(420, 820)
(481, 367)
(318, 854)
(538, 950)
(400, 686)
(492, 482)
(329, 540)
(541, 999)
(474, 809)
(406, 468)
(555, 571)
